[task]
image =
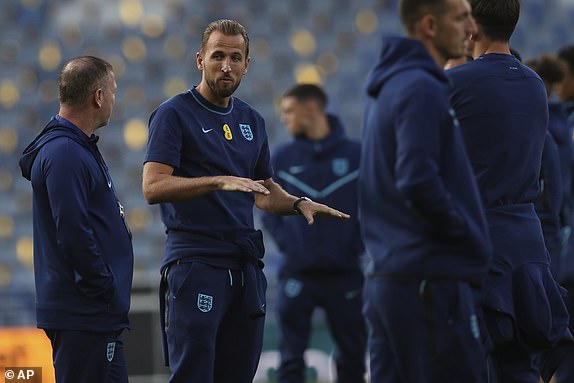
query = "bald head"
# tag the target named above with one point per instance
(80, 77)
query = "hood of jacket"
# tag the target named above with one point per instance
(323, 146)
(57, 127)
(400, 54)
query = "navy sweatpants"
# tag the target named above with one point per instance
(423, 332)
(341, 298)
(88, 357)
(563, 355)
(212, 334)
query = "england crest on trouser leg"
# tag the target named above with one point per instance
(110, 350)
(204, 302)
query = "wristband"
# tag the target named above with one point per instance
(297, 202)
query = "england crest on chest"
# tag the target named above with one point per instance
(246, 131)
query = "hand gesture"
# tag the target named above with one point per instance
(309, 209)
(232, 183)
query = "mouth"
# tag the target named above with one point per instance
(226, 80)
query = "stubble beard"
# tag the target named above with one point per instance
(453, 53)
(219, 92)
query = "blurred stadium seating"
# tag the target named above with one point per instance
(152, 45)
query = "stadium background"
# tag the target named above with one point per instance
(152, 45)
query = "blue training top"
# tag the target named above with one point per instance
(200, 139)
(420, 211)
(83, 257)
(503, 112)
(326, 171)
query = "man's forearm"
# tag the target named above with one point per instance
(278, 201)
(169, 188)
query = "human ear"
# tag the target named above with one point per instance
(247, 61)
(428, 25)
(199, 60)
(98, 97)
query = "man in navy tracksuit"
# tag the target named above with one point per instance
(549, 201)
(320, 265)
(565, 90)
(83, 258)
(502, 108)
(421, 217)
(552, 204)
(566, 94)
(207, 164)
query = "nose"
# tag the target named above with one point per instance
(225, 66)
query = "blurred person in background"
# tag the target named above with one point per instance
(565, 92)
(565, 88)
(421, 216)
(551, 72)
(502, 108)
(207, 164)
(83, 257)
(320, 265)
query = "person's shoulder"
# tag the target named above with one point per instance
(63, 143)
(468, 71)
(243, 107)
(284, 148)
(279, 157)
(419, 78)
(422, 86)
(65, 150)
(170, 108)
(461, 69)
(174, 102)
(467, 74)
(529, 72)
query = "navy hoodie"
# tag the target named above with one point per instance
(326, 171)
(83, 257)
(420, 211)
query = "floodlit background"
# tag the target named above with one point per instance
(152, 46)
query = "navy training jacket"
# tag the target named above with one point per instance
(325, 171)
(83, 256)
(419, 206)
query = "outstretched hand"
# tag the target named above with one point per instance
(232, 183)
(309, 209)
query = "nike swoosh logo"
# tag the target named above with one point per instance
(296, 169)
(206, 131)
(352, 294)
